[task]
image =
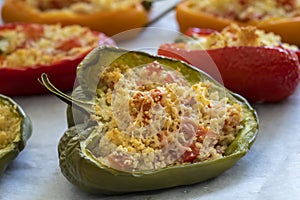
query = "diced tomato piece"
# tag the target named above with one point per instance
(67, 45)
(190, 155)
(33, 31)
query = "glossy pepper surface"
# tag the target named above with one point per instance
(258, 73)
(109, 22)
(286, 27)
(10, 149)
(82, 169)
(22, 80)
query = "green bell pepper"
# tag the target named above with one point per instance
(80, 166)
(15, 130)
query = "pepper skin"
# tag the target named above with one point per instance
(287, 28)
(22, 80)
(108, 22)
(11, 151)
(83, 170)
(260, 74)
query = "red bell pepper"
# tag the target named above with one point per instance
(23, 80)
(259, 73)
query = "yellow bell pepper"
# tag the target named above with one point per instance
(109, 22)
(288, 28)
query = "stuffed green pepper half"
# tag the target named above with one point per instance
(141, 122)
(15, 129)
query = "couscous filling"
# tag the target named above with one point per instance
(32, 44)
(245, 10)
(9, 124)
(234, 35)
(151, 117)
(79, 6)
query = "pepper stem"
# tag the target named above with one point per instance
(78, 104)
(148, 3)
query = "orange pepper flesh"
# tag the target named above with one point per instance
(287, 28)
(108, 22)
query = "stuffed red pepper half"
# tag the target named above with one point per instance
(246, 60)
(278, 16)
(27, 50)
